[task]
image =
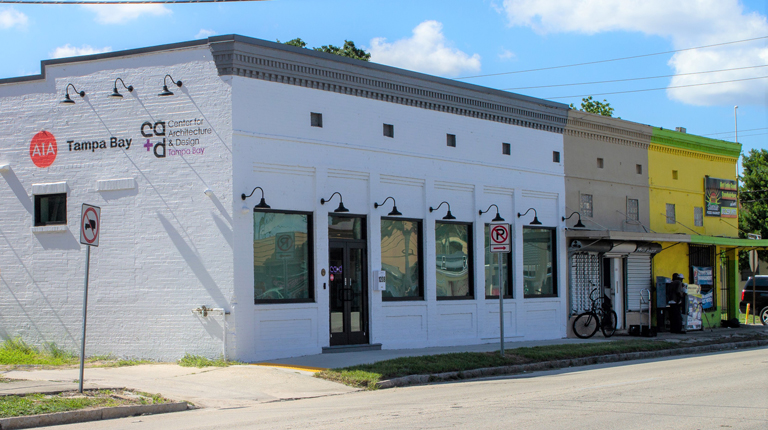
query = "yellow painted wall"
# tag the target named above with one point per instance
(687, 191)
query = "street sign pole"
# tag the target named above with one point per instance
(85, 312)
(90, 225)
(501, 307)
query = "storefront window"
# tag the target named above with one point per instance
(492, 269)
(539, 264)
(282, 253)
(344, 227)
(401, 259)
(453, 248)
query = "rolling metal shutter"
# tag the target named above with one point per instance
(638, 278)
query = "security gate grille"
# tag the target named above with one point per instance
(585, 277)
(638, 279)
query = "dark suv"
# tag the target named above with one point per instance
(760, 286)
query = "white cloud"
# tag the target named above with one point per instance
(122, 13)
(204, 34)
(507, 55)
(10, 18)
(426, 51)
(686, 23)
(73, 51)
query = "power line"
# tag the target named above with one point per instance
(118, 1)
(657, 89)
(732, 132)
(613, 59)
(634, 79)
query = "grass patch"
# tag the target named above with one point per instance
(35, 404)
(190, 360)
(16, 351)
(367, 375)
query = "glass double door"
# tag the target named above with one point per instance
(348, 293)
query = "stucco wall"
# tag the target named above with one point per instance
(165, 246)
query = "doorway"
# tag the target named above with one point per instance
(348, 281)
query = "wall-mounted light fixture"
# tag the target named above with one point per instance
(262, 204)
(447, 215)
(166, 91)
(535, 216)
(497, 218)
(5, 168)
(67, 100)
(115, 94)
(394, 212)
(341, 207)
(578, 223)
(208, 192)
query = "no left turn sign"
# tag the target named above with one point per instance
(90, 224)
(500, 238)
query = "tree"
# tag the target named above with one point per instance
(348, 50)
(753, 200)
(593, 106)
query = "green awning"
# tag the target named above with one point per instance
(729, 241)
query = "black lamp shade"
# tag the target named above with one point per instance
(579, 224)
(341, 208)
(394, 212)
(449, 215)
(67, 100)
(535, 221)
(166, 92)
(115, 94)
(498, 218)
(262, 204)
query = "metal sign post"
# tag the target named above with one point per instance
(90, 224)
(500, 244)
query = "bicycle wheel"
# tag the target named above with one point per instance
(608, 324)
(585, 325)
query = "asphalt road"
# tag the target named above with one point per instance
(714, 391)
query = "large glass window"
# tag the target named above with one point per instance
(492, 269)
(539, 263)
(453, 248)
(50, 209)
(401, 259)
(282, 257)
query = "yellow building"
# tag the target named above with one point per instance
(693, 193)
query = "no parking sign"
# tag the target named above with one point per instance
(90, 224)
(500, 241)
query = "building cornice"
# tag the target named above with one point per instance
(693, 143)
(274, 62)
(605, 129)
(659, 147)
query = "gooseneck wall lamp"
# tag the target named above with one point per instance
(341, 207)
(535, 216)
(497, 218)
(262, 204)
(394, 212)
(166, 91)
(67, 100)
(115, 94)
(578, 223)
(448, 215)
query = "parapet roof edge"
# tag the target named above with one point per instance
(386, 69)
(692, 142)
(102, 56)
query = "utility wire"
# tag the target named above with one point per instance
(613, 59)
(633, 79)
(732, 132)
(657, 89)
(118, 1)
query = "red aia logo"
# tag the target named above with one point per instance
(43, 149)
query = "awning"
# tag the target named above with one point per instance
(729, 241)
(627, 236)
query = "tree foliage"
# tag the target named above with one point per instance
(594, 106)
(348, 50)
(753, 199)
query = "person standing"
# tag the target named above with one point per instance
(675, 299)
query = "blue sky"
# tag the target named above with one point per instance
(460, 38)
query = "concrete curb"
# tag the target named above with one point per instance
(560, 364)
(89, 415)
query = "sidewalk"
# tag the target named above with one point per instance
(277, 380)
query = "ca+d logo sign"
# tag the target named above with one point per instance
(150, 130)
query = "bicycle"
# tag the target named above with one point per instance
(597, 317)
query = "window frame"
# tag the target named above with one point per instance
(506, 148)
(674, 213)
(555, 286)
(420, 255)
(450, 140)
(310, 259)
(388, 130)
(470, 261)
(637, 206)
(698, 219)
(510, 293)
(316, 119)
(37, 222)
(582, 211)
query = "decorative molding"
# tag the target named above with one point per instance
(539, 194)
(50, 229)
(348, 174)
(50, 188)
(279, 63)
(692, 154)
(284, 169)
(401, 180)
(116, 184)
(585, 127)
(454, 186)
(503, 191)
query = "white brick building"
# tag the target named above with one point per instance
(298, 277)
